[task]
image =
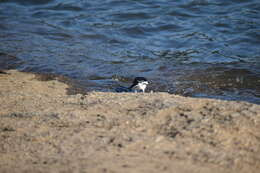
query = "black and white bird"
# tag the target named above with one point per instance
(139, 84)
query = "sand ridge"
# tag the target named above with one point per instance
(43, 129)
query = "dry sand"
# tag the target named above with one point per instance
(43, 129)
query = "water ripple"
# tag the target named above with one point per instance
(190, 47)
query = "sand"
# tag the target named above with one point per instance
(45, 129)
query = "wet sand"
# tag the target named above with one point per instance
(44, 129)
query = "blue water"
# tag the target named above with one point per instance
(199, 48)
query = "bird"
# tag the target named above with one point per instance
(139, 84)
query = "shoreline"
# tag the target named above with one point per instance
(45, 129)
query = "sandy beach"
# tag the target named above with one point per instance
(45, 129)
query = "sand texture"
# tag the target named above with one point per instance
(43, 129)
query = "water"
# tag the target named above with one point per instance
(199, 48)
